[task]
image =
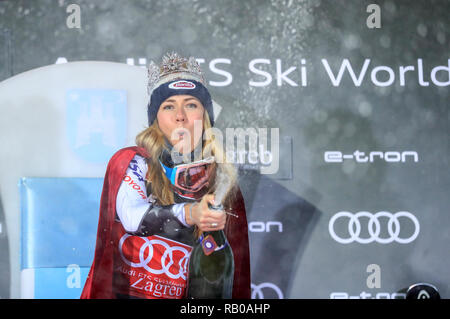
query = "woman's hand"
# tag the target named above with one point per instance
(206, 219)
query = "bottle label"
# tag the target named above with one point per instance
(209, 245)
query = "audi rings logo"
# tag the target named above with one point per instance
(257, 290)
(374, 227)
(168, 266)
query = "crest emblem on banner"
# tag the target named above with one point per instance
(96, 122)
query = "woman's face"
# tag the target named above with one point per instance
(177, 115)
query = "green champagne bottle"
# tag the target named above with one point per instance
(211, 266)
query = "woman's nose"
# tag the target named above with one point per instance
(181, 115)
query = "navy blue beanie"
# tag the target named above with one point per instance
(179, 87)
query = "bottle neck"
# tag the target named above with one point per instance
(219, 236)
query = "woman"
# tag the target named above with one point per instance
(155, 196)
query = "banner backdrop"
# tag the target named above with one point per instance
(343, 105)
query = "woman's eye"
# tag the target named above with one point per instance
(167, 107)
(192, 105)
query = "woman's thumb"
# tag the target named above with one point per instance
(210, 198)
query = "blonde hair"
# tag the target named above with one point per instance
(152, 140)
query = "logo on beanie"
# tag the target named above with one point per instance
(178, 85)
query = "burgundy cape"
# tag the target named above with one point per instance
(99, 281)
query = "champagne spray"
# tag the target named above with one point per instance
(223, 185)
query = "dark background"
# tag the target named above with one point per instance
(303, 260)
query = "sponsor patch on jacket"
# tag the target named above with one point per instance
(150, 267)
